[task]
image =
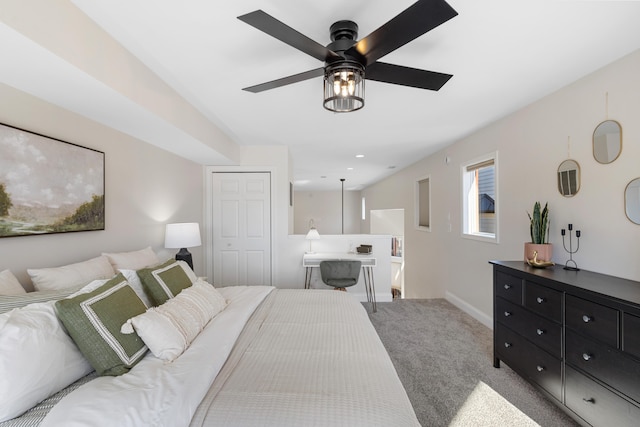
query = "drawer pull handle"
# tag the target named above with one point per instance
(540, 368)
(540, 331)
(589, 400)
(507, 344)
(540, 300)
(587, 319)
(507, 287)
(507, 313)
(586, 357)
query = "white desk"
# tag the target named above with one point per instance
(312, 260)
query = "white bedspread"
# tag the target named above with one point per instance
(279, 358)
(308, 358)
(155, 393)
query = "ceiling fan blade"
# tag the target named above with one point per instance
(268, 24)
(286, 80)
(410, 24)
(406, 76)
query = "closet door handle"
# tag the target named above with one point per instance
(540, 368)
(540, 331)
(589, 400)
(507, 344)
(586, 356)
(587, 319)
(507, 287)
(507, 313)
(541, 300)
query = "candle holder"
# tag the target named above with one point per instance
(567, 265)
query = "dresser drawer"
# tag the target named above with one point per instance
(509, 287)
(528, 360)
(593, 320)
(544, 301)
(542, 332)
(597, 405)
(631, 335)
(604, 363)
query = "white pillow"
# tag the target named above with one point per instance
(136, 285)
(72, 275)
(134, 260)
(169, 329)
(37, 358)
(92, 286)
(9, 285)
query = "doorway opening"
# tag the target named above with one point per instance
(391, 221)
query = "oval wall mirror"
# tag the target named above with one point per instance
(607, 141)
(632, 201)
(569, 178)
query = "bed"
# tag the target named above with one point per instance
(271, 357)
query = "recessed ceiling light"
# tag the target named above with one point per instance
(359, 156)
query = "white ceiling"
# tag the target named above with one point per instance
(503, 54)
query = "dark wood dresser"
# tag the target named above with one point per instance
(573, 334)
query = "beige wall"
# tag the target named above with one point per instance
(146, 187)
(531, 143)
(325, 208)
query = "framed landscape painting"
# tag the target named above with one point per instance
(48, 185)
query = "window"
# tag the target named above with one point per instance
(479, 194)
(423, 203)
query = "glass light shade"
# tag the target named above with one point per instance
(182, 235)
(344, 87)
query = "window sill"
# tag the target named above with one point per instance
(482, 237)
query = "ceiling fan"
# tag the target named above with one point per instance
(348, 62)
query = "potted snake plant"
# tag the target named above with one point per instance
(539, 230)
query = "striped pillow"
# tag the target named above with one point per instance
(9, 302)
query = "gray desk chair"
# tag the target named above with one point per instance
(340, 274)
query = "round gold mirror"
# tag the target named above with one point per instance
(569, 178)
(607, 141)
(632, 201)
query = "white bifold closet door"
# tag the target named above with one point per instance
(241, 228)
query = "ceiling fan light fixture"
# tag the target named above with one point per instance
(344, 86)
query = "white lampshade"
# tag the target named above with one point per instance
(182, 235)
(313, 234)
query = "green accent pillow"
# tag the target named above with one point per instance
(94, 319)
(166, 280)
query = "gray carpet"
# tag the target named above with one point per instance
(441, 354)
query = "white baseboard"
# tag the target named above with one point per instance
(470, 310)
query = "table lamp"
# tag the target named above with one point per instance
(182, 235)
(312, 235)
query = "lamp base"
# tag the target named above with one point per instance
(184, 255)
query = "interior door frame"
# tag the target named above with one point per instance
(208, 212)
